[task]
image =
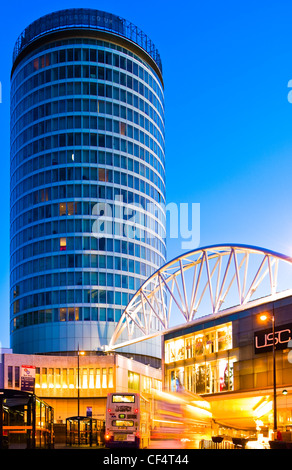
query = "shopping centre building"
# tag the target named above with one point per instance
(225, 356)
(229, 361)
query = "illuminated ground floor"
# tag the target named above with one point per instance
(228, 360)
(76, 385)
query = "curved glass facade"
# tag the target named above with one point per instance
(87, 189)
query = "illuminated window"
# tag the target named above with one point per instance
(101, 174)
(157, 384)
(63, 244)
(36, 64)
(210, 343)
(44, 377)
(51, 378)
(84, 378)
(189, 348)
(110, 377)
(189, 378)
(177, 380)
(62, 208)
(133, 381)
(122, 128)
(71, 208)
(224, 339)
(91, 378)
(76, 313)
(147, 384)
(58, 378)
(64, 378)
(200, 379)
(63, 312)
(206, 342)
(37, 377)
(225, 375)
(104, 378)
(199, 345)
(97, 382)
(176, 350)
(16, 307)
(71, 378)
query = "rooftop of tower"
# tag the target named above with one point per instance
(85, 19)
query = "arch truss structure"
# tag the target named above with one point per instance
(201, 282)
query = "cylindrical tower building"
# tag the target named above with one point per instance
(87, 178)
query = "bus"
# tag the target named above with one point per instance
(127, 421)
(182, 418)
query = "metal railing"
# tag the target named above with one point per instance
(84, 18)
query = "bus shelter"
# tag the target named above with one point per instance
(84, 431)
(26, 421)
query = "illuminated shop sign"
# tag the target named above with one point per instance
(27, 378)
(263, 340)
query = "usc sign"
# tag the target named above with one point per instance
(263, 340)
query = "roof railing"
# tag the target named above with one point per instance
(84, 18)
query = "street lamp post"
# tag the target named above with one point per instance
(274, 375)
(263, 318)
(79, 353)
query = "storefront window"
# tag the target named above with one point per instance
(189, 348)
(222, 339)
(177, 380)
(201, 344)
(210, 343)
(225, 375)
(176, 350)
(200, 379)
(209, 377)
(189, 378)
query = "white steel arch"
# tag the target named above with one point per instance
(199, 283)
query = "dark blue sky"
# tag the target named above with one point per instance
(226, 68)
